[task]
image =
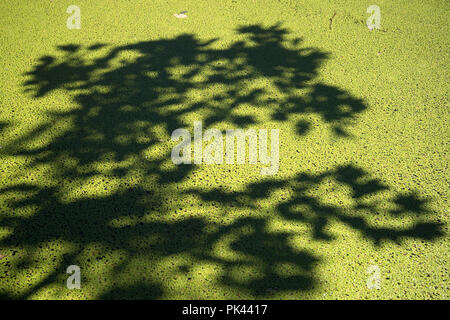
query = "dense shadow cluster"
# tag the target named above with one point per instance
(122, 95)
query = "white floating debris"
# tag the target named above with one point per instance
(181, 15)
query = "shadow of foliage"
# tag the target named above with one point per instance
(128, 101)
(304, 206)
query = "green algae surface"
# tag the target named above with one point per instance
(357, 210)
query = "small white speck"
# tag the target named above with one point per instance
(180, 15)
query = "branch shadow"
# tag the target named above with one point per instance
(128, 101)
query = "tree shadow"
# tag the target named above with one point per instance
(306, 207)
(128, 100)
